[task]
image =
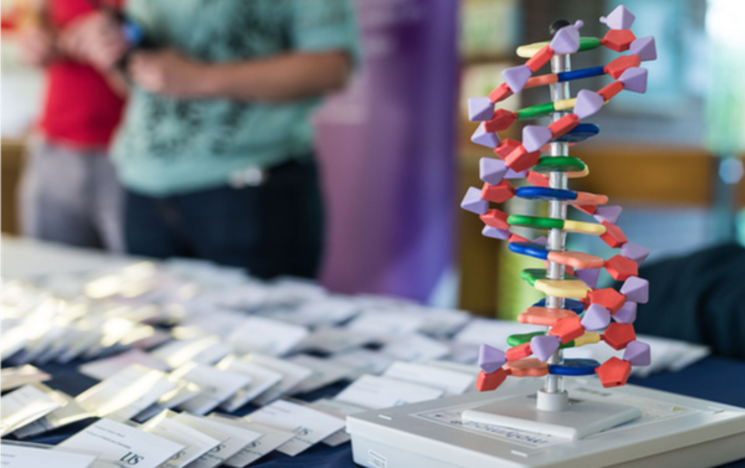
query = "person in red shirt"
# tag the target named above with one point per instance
(69, 192)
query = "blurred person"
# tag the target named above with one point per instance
(216, 147)
(69, 192)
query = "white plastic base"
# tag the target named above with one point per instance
(674, 431)
(579, 419)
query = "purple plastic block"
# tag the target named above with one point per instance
(620, 18)
(480, 109)
(492, 170)
(645, 48)
(484, 138)
(495, 233)
(626, 314)
(637, 353)
(566, 39)
(635, 252)
(540, 240)
(634, 79)
(543, 346)
(491, 359)
(535, 136)
(589, 276)
(596, 317)
(588, 103)
(516, 77)
(516, 175)
(636, 290)
(608, 213)
(473, 202)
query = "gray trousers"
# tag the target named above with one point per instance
(71, 196)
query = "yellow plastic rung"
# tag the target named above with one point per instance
(584, 228)
(562, 288)
(565, 104)
(579, 175)
(529, 50)
(587, 338)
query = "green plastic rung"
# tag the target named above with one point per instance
(531, 275)
(535, 221)
(560, 164)
(534, 112)
(517, 340)
(588, 43)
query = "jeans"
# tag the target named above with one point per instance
(272, 229)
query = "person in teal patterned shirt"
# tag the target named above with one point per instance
(216, 147)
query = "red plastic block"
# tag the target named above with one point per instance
(488, 382)
(613, 236)
(614, 372)
(519, 159)
(618, 335)
(587, 209)
(516, 238)
(611, 90)
(498, 193)
(501, 120)
(537, 179)
(498, 219)
(620, 267)
(564, 125)
(608, 298)
(541, 58)
(618, 39)
(568, 329)
(619, 65)
(500, 93)
(519, 352)
(507, 146)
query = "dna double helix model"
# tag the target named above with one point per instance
(575, 312)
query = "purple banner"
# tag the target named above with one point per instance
(387, 148)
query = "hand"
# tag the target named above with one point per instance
(169, 73)
(36, 46)
(96, 39)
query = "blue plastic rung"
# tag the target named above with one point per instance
(569, 304)
(574, 367)
(581, 73)
(579, 133)
(530, 249)
(545, 193)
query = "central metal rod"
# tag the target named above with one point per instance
(557, 209)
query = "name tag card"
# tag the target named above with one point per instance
(452, 382)
(492, 332)
(14, 377)
(325, 312)
(266, 336)
(341, 408)
(25, 405)
(416, 348)
(384, 324)
(444, 322)
(365, 361)
(102, 369)
(34, 456)
(201, 349)
(262, 379)
(122, 446)
(292, 375)
(334, 340)
(234, 439)
(126, 393)
(271, 439)
(310, 426)
(216, 386)
(70, 413)
(195, 443)
(325, 372)
(374, 392)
